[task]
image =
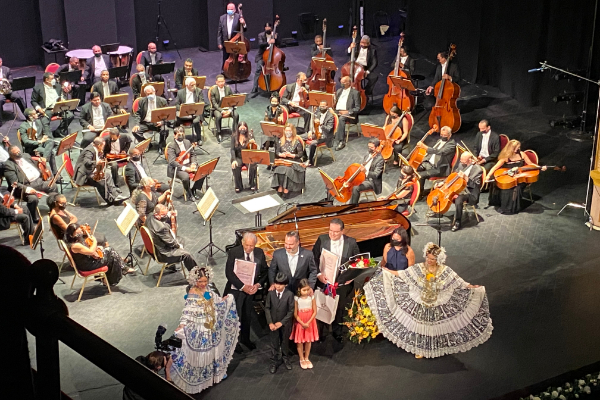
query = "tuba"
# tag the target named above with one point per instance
(5, 87)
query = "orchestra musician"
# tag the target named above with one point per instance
(89, 160)
(143, 117)
(373, 172)
(96, 64)
(229, 24)
(135, 172)
(347, 106)
(5, 73)
(407, 180)
(138, 79)
(104, 86)
(184, 168)
(343, 246)
(23, 170)
(508, 201)
(181, 73)
(152, 57)
(35, 138)
(438, 161)
(240, 142)
(216, 94)
(487, 145)
(401, 144)
(273, 113)
(316, 50)
(17, 214)
(79, 88)
(407, 63)
(293, 96)
(289, 178)
(366, 55)
(441, 71)
(115, 143)
(4, 145)
(145, 198)
(326, 118)
(93, 117)
(60, 218)
(191, 94)
(265, 39)
(43, 98)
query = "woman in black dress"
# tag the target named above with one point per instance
(87, 259)
(508, 201)
(145, 198)
(401, 144)
(404, 188)
(60, 218)
(273, 113)
(289, 178)
(240, 142)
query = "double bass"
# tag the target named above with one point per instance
(398, 96)
(352, 177)
(417, 155)
(445, 112)
(321, 78)
(272, 77)
(237, 67)
(356, 72)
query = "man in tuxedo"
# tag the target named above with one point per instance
(326, 121)
(229, 25)
(187, 70)
(292, 96)
(407, 63)
(137, 80)
(143, 116)
(22, 170)
(96, 64)
(17, 214)
(265, 39)
(243, 293)
(438, 160)
(316, 50)
(135, 171)
(347, 106)
(184, 168)
(487, 145)
(366, 55)
(43, 98)
(373, 170)
(35, 138)
(294, 261)
(468, 169)
(79, 88)
(93, 117)
(5, 73)
(104, 86)
(344, 247)
(152, 57)
(442, 71)
(191, 94)
(168, 248)
(216, 94)
(115, 143)
(85, 166)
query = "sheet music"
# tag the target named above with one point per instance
(259, 203)
(127, 219)
(208, 204)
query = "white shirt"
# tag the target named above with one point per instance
(343, 100)
(368, 166)
(30, 171)
(440, 143)
(221, 92)
(99, 66)
(115, 147)
(485, 139)
(142, 78)
(181, 146)
(105, 89)
(362, 57)
(152, 57)
(138, 165)
(51, 96)
(323, 115)
(444, 66)
(296, 97)
(293, 261)
(229, 25)
(151, 106)
(1, 76)
(3, 154)
(279, 294)
(403, 61)
(337, 246)
(189, 96)
(468, 171)
(97, 117)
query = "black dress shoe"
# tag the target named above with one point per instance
(456, 227)
(160, 151)
(287, 364)
(340, 146)
(272, 368)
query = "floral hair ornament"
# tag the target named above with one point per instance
(438, 252)
(195, 274)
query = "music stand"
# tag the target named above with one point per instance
(236, 48)
(117, 101)
(143, 145)
(125, 222)
(165, 69)
(200, 81)
(207, 207)
(116, 121)
(64, 106)
(231, 102)
(329, 183)
(71, 76)
(402, 83)
(24, 83)
(66, 144)
(372, 131)
(189, 111)
(109, 48)
(118, 72)
(256, 157)
(324, 63)
(159, 88)
(315, 97)
(163, 115)
(257, 202)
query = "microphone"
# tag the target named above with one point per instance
(541, 69)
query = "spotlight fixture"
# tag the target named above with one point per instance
(165, 43)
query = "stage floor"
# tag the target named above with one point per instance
(539, 269)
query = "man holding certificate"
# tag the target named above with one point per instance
(294, 261)
(246, 270)
(331, 251)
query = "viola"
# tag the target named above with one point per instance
(9, 199)
(353, 176)
(321, 78)
(441, 198)
(417, 155)
(185, 154)
(287, 163)
(445, 112)
(44, 170)
(398, 96)
(272, 77)
(278, 118)
(99, 171)
(116, 157)
(393, 132)
(356, 72)
(237, 67)
(508, 178)
(89, 241)
(251, 145)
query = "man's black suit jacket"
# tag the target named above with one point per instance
(180, 77)
(260, 274)
(493, 146)
(140, 115)
(124, 143)
(352, 104)
(112, 88)
(453, 71)
(222, 34)
(306, 268)
(86, 116)
(371, 57)
(324, 242)
(91, 67)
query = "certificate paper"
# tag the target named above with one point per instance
(245, 271)
(329, 264)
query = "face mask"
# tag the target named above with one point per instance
(53, 82)
(371, 151)
(79, 235)
(136, 158)
(268, 32)
(363, 47)
(113, 140)
(179, 139)
(229, 12)
(395, 243)
(62, 206)
(243, 132)
(141, 73)
(323, 109)
(445, 139)
(151, 97)
(97, 55)
(17, 156)
(288, 135)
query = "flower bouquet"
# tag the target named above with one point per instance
(355, 266)
(580, 388)
(360, 320)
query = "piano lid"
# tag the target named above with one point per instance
(307, 210)
(372, 204)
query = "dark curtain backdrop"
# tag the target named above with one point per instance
(90, 22)
(21, 37)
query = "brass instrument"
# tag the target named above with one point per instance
(5, 87)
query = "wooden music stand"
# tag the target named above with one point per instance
(315, 97)
(117, 100)
(402, 83)
(374, 131)
(116, 121)
(191, 110)
(66, 143)
(329, 183)
(65, 105)
(256, 157)
(205, 169)
(200, 81)
(159, 87)
(143, 145)
(235, 47)
(324, 63)
(272, 129)
(233, 101)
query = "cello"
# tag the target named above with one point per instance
(272, 77)
(417, 155)
(441, 198)
(508, 178)
(352, 177)
(322, 79)
(398, 96)
(356, 72)
(393, 132)
(445, 112)
(237, 67)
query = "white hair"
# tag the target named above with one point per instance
(189, 80)
(249, 236)
(149, 89)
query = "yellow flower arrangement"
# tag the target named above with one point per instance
(360, 321)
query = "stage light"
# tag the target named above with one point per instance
(165, 43)
(295, 35)
(576, 97)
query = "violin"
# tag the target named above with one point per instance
(9, 199)
(445, 112)
(251, 145)
(272, 77)
(185, 154)
(44, 170)
(398, 96)
(278, 118)
(321, 78)
(116, 157)
(441, 198)
(356, 72)
(99, 171)
(508, 178)
(417, 155)
(89, 241)
(237, 67)
(287, 163)
(393, 132)
(352, 177)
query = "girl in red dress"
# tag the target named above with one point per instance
(305, 326)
